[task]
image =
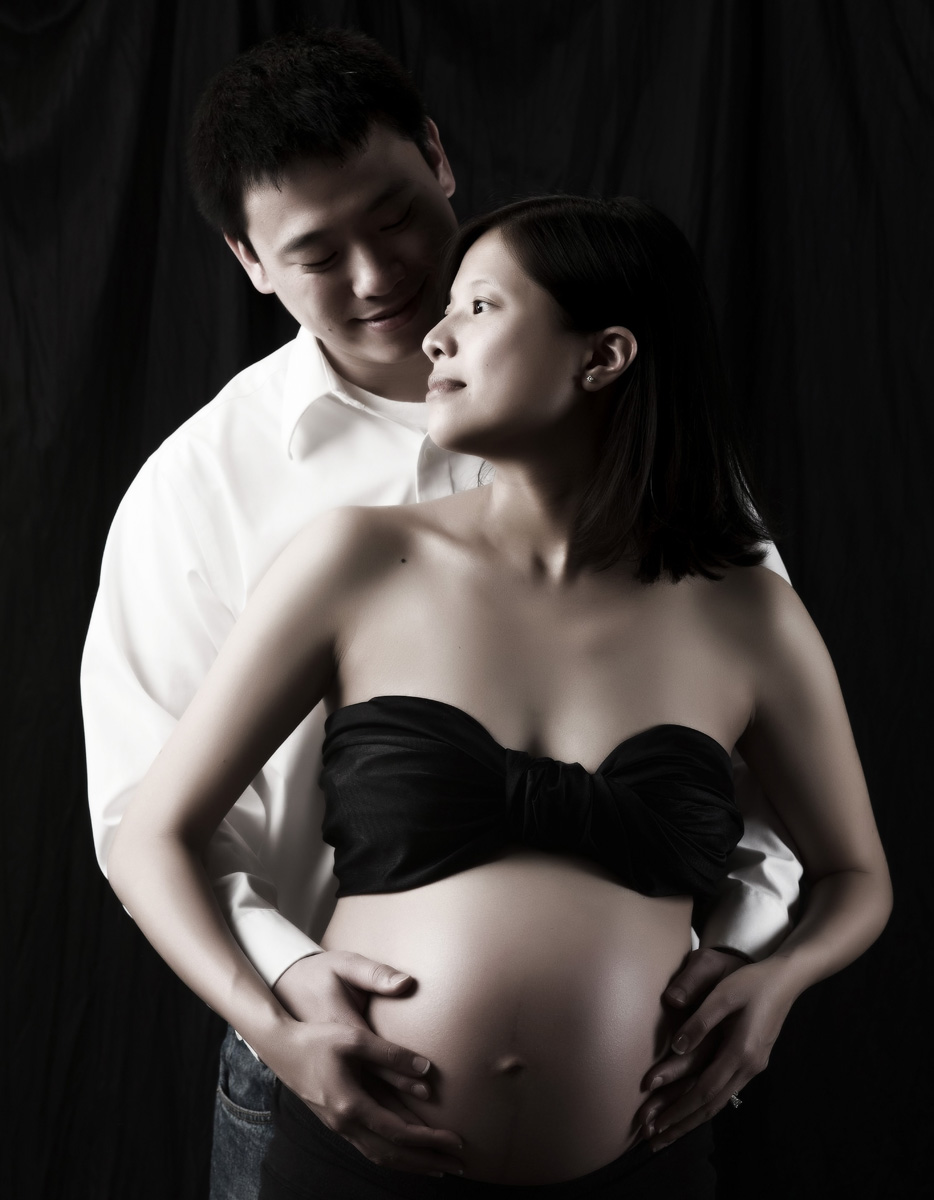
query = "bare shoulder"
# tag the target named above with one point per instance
(348, 546)
(768, 624)
(357, 546)
(758, 605)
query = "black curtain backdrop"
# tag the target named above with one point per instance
(792, 141)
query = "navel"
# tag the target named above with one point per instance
(509, 1064)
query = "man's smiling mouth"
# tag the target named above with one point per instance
(396, 315)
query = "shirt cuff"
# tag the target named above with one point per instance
(270, 942)
(749, 920)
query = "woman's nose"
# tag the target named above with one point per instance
(438, 341)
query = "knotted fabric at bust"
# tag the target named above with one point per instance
(650, 815)
(418, 790)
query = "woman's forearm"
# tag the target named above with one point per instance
(846, 911)
(162, 882)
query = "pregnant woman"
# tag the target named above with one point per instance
(534, 689)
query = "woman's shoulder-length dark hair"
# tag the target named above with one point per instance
(671, 490)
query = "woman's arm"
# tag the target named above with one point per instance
(800, 745)
(276, 665)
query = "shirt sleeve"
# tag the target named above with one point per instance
(755, 907)
(156, 627)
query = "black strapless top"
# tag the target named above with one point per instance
(418, 790)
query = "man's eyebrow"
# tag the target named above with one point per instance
(303, 241)
(308, 239)
(390, 191)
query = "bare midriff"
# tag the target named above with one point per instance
(537, 1000)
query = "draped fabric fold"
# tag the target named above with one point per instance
(418, 790)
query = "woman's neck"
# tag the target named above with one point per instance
(530, 510)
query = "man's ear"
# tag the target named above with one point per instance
(438, 160)
(251, 264)
(612, 352)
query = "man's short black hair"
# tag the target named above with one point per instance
(298, 96)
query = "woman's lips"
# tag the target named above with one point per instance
(393, 317)
(440, 384)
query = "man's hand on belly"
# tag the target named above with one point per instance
(327, 994)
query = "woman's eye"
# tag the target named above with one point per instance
(480, 306)
(402, 220)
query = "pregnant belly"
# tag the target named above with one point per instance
(537, 1000)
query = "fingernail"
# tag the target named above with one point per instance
(656, 1082)
(680, 1044)
(420, 1090)
(420, 1064)
(676, 995)
(650, 1129)
(398, 978)
(661, 1129)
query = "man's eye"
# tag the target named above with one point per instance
(402, 220)
(321, 265)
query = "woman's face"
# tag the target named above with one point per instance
(504, 367)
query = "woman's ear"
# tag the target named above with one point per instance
(612, 352)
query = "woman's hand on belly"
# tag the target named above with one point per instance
(329, 1044)
(538, 1000)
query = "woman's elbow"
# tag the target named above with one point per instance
(120, 860)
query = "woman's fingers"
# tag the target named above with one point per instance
(419, 1088)
(709, 1096)
(738, 1023)
(671, 1079)
(359, 1042)
(380, 1128)
(389, 1141)
(662, 1098)
(331, 1066)
(675, 1067)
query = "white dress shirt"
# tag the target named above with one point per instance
(286, 440)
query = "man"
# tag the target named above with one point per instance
(313, 156)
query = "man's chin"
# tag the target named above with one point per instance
(350, 358)
(382, 348)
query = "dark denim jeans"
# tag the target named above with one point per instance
(242, 1122)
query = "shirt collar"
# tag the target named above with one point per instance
(308, 378)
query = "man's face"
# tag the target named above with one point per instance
(351, 249)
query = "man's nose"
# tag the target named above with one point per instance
(375, 273)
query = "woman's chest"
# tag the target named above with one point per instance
(568, 675)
